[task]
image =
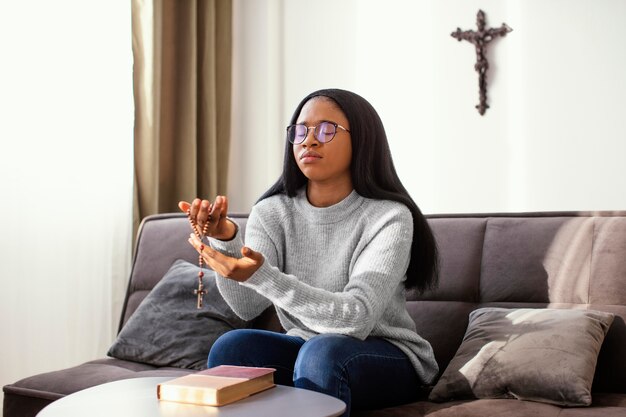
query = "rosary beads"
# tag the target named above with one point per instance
(200, 234)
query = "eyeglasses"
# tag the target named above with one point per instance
(323, 132)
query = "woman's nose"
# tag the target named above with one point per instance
(310, 139)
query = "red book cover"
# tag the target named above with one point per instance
(232, 371)
(217, 386)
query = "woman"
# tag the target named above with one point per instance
(330, 245)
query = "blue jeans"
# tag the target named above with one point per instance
(365, 374)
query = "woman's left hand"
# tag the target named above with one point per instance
(236, 269)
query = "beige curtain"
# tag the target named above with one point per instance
(182, 91)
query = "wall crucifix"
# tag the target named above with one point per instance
(480, 39)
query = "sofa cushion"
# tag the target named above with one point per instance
(27, 397)
(167, 329)
(604, 405)
(544, 355)
(460, 260)
(543, 260)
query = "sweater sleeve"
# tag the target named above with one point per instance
(245, 302)
(380, 268)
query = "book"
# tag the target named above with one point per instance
(217, 386)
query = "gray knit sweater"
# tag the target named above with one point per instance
(338, 269)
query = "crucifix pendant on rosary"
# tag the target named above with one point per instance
(200, 291)
(200, 234)
(480, 39)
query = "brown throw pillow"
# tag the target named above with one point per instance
(544, 355)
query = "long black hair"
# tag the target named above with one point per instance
(373, 176)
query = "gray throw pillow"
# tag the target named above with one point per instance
(544, 355)
(168, 330)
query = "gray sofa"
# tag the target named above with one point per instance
(567, 260)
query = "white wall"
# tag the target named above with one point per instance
(553, 139)
(66, 126)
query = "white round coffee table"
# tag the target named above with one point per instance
(137, 398)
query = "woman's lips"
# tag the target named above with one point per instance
(310, 157)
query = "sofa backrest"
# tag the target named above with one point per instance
(533, 260)
(161, 240)
(558, 260)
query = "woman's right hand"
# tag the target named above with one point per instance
(202, 211)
